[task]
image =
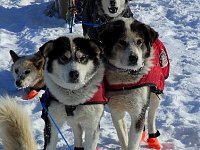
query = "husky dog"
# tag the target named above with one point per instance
(15, 126)
(28, 70)
(73, 75)
(130, 54)
(101, 12)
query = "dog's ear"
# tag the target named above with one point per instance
(150, 37)
(112, 33)
(39, 60)
(14, 56)
(150, 33)
(97, 46)
(46, 48)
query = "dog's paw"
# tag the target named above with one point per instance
(153, 143)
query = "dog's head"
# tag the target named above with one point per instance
(27, 70)
(113, 7)
(71, 61)
(128, 44)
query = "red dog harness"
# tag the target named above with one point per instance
(156, 76)
(98, 98)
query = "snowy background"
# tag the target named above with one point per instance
(24, 28)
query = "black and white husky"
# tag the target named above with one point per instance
(97, 13)
(73, 75)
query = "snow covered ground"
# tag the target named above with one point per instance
(24, 28)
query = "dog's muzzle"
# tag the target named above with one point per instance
(129, 71)
(74, 76)
(112, 9)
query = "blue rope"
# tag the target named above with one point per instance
(91, 24)
(43, 105)
(95, 25)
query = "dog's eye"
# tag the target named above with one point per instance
(27, 72)
(63, 59)
(16, 71)
(123, 43)
(83, 59)
(139, 42)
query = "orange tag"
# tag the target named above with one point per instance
(31, 94)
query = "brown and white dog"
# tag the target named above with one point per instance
(130, 55)
(104, 11)
(28, 71)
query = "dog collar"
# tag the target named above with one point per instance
(115, 68)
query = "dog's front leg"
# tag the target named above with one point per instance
(58, 113)
(121, 127)
(91, 138)
(153, 106)
(77, 130)
(136, 128)
(134, 136)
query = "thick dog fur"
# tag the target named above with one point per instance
(101, 12)
(28, 70)
(15, 126)
(101, 16)
(129, 54)
(64, 56)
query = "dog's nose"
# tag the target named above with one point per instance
(133, 59)
(22, 77)
(18, 83)
(74, 74)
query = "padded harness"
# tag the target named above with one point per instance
(98, 98)
(155, 79)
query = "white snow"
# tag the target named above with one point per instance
(24, 28)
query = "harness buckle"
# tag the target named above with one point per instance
(70, 110)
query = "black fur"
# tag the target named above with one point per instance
(140, 123)
(47, 128)
(89, 47)
(113, 32)
(54, 49)
(45, 100)
(14, 56)
(78, 148)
